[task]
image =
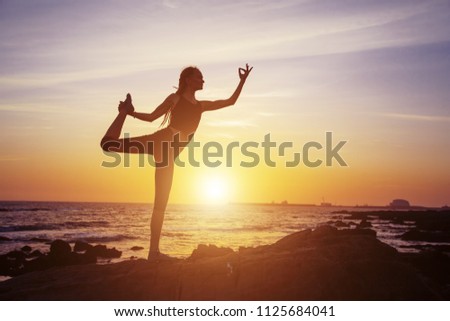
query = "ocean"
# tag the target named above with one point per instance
(124, 226)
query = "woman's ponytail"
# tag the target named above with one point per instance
(187, 72)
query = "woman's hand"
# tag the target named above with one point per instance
(122, 107)
(243, 73)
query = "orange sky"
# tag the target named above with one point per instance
(375, 75)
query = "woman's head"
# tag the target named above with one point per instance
(190, 77)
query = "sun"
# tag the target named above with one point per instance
(215, 190)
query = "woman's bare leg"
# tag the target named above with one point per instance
(163, 185)
(113, 132)
(115, 129)
(165, 159)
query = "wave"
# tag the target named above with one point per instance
(25, 209)
(98, 238)
(36, 227)
(176, 234)
(72, 238)
(228, 229)
(73, 225)
(51, 227)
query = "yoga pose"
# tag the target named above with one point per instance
(182, 111)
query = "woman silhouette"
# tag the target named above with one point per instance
(182, 111)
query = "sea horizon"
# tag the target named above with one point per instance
(271, 203)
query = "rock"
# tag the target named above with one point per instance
(81, 246)
(103, 252)
(209, 251)
(60, 248)
(364, 224)
(426, 236)
(12, 263)
(433, 265)
(137, 248)
(40, 240)
(4, 265)
(434, 224)
(113, 253)
(35, 254)
(296, 239)
(338, 223)
(26, 249)
(40, 263)
(83, 258)
(16, 255)
(341, 224)
(4, 239)
(19, 262)
(366, 231)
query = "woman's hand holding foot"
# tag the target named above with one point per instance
(126, 106)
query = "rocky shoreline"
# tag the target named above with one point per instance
(26, 260)
(322, 264)
(430, 227)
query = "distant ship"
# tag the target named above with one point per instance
(399, 203)
(325, 203)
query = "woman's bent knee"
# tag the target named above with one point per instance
(108, 144)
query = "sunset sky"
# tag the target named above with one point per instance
(374, 73)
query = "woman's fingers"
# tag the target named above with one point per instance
(243, 73)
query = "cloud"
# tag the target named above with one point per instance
(77, 42)
(11, 158)
(230, 123)
(171, 4)
(267, 114)
(415, 117)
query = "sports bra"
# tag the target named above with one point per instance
(185, 116)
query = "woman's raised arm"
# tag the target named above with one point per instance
(217, 104)
(162, 109)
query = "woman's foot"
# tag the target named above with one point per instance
(157, 256)
(126, 106)
(129, 105)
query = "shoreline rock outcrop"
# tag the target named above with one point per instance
(321, 264)
(25, 260)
